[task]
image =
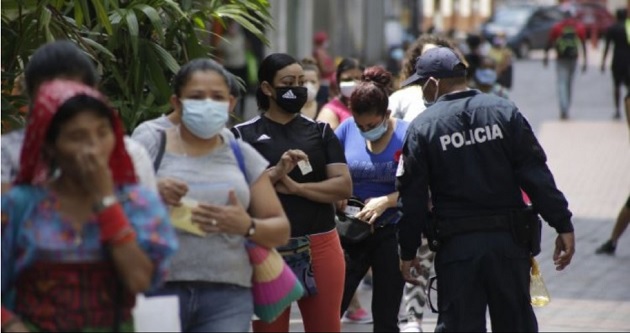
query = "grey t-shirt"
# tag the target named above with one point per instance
(218, 258)
(148, 134)
(11, 149)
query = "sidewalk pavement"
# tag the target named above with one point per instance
(591, 164)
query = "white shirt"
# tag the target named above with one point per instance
(407, 103)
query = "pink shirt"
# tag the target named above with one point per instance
(339, 109)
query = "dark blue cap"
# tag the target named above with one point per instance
(438, 62)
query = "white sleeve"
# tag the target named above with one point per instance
(142, 164)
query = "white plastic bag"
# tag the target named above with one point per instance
(156, 314)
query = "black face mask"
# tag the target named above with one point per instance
(291, 99)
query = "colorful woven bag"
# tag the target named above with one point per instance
(274, 285)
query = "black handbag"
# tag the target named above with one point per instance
(350, 229)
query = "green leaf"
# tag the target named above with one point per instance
(101, 14)
(165, 58)
(99, 47)
(78, 14)
(154, 17)
(134, 30)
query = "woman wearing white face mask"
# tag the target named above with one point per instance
(348, 75)
(227, 198)
(312, 84)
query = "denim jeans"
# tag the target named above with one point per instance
(565, 69)
(211, 307)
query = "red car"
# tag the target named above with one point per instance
(595, 17)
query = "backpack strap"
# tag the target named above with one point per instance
(161, 149)
(236, 149)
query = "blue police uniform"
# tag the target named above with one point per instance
(475, 152)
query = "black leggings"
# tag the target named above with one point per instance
(379, 251)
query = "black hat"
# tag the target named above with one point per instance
(437, 62)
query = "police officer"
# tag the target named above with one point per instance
(473, 152)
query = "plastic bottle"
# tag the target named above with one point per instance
(537, 289)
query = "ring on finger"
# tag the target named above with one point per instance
(213, 222)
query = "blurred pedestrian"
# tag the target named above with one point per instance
(486, 79)
(372, 140)
(567, 37)
(337, 110)
(474, 54)
(310, 174)
(220, 197)
(407, 104)
(472, 152)
(63, 59)
(312, 82)
(232, 49)
(502, 55)
(619, 35)
(623, 219)
(79, 237)
(326, 65)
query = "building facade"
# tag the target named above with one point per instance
(367, 29)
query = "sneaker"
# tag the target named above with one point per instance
(358, 316)
(412, 326)
(606, 248)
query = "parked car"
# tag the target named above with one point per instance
(526, 26)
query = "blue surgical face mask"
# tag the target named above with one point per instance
(486, 76)
(204, 118)
(375, 133)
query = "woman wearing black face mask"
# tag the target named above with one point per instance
(307, 192)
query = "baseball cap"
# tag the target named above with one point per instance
(438, 62)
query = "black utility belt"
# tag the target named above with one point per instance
(452, 227)
(524, 226)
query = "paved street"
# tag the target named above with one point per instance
(590, 158)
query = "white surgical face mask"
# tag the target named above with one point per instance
(428, 103)
(311, 91)
(204, 118)
(347, 88)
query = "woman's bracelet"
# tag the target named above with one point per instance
(112, 221)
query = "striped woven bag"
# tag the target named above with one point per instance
(274, 285)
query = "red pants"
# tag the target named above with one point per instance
(320, 313)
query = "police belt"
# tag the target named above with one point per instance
(449, 227)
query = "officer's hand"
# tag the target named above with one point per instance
(406, 269)
(565, 248)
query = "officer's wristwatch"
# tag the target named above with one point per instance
(252, 229)
(104, 203)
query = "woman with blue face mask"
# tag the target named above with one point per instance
(219, 196)
(373, 141)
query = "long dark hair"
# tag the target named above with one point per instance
(347, 64)
(267, 72)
